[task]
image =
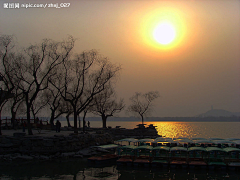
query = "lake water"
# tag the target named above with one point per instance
(181, 129)
(78, 169)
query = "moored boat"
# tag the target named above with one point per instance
(184, 142)
(109, 155)
(142, 142)
(160, 156)
(215, 158)
(164, 142)
(232, 158)
(224, 143)
(196, 157)
(203, 143)
(129, 141)
(178, 157)
(143, 156)
(126, 154)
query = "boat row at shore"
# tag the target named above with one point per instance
(174, 153)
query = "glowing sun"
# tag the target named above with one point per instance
(164, 33)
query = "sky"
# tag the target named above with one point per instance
(197, 70)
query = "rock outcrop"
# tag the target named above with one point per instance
(45, 148)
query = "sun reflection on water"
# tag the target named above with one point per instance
(174, 129)
(197, 129)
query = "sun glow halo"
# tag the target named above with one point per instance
(163, 29)
(164, 33)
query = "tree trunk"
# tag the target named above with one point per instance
(34, 117)
(52, 119)
(0, 123)
(67, 117)
(75, 121)
(104, 121)
(84, 122)
(142, 118)
(79, 122)
(13, 113)
(28, 117)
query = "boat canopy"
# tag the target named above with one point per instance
(198, 138)
(145, 140)
(184, 141)
(128, 140)
(108, 146)
(144, 147)
(161, 148)
(197, 149)
(237, 141)
(203, 141)
(128, 147)
(224, 142)
(214, 149)
(163, 141)
(160, 138)
(178, 149)
(213, 139)
(233, 139)
(180, 138)
(230, 149)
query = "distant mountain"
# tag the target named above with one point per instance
(219, 113)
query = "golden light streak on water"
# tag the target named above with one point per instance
(197, 129)
(174, 129)
(180, 129)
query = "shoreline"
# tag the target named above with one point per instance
(49, 144)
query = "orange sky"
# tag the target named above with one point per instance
(200, 69)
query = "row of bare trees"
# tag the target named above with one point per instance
(50, 75)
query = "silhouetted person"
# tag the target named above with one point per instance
(58, 126)
(88, 124)
(36, 120)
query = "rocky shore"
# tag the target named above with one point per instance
(50, 145)
(58, 146)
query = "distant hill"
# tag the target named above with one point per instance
(219, 113)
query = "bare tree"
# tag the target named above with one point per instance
(56, 103)
(67, 117)
(85, 111)
(6, 70)
(37, 66)
(82, 78)
(16, 103)
(38, 105)
(106, 104)
(142, 104)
